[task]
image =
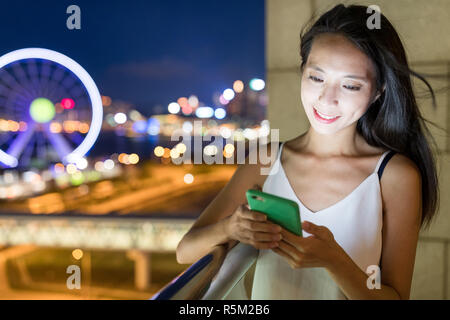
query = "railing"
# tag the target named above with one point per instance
(216, 276)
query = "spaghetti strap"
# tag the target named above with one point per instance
(280, 147)
(383, 161)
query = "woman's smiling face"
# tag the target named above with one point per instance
(338, 80)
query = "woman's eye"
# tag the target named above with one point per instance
(352, 88)
(315, 79)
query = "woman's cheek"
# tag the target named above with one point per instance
(309, 93)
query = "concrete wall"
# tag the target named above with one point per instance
(423, 27)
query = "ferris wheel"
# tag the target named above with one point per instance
(50, 108)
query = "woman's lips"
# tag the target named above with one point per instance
(323, 120)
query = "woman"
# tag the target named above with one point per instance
(363, 175)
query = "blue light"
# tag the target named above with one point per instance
(204, 112)
(140, 126)
(220, 113)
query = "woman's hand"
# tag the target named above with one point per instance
(252, 227)
(318, 250)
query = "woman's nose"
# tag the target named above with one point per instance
(328, 95)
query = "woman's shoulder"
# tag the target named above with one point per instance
(400, 167)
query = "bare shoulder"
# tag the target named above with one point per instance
(401, 185)
(400, 168)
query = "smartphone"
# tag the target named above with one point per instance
(281, 211)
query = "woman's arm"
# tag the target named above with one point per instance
(209, 230)
(402, 203)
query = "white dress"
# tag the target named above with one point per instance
(356, 223)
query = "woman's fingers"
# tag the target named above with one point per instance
(260, 226)
(259, 244)
(252, 215)
(261, 236)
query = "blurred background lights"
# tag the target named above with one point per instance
(210, 150)
(188, 178)
(81, 163)
(67, 103)
(173, 108)
(140, 126)
(135, 115)
(222, 100)
(193, 101)
(204, 112)
(225, 132)
(106, 101)
(77, 254)
(166, 153)
(228, 94)
(187, 127)
(120, 118)
(229, 148)
(159, 151)
(71, 168)
(257, 84)
(153, 126)
(181, 147)
(183, 102)
(238, 86)
(58, 168)
(250, 134)
(123, 158)
(99, 166)
(220, 113)
(108, 164)
(133, 158)
(174, 153)
(42, 110)
(187, 110)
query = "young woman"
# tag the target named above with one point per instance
(363, 175)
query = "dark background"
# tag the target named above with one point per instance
(149, 52)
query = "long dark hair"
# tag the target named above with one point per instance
(393, 121)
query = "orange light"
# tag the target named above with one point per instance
(55, 127)
(183, 102)
(13, 126)
(123, 158)
(106, 101)
(166, 153)
(83, 128)
(23, 126)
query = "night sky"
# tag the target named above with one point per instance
(147, 52)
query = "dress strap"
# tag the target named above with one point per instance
(280, 147)
(383, 161)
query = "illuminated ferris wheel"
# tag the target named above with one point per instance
(50, 109)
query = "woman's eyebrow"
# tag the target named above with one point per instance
(315, 67)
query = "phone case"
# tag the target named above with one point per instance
(281, 211)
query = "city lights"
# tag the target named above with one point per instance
(81, 163)
(67, 103)
(238, 86)
(257, 84)
(174, 108)
(228, 94)
(42, 110)
(220, 113)
(108, 164)
(204, 112)
(188, 178)
(159, 151)
(193, 101)
(77, 254)
(120, 118)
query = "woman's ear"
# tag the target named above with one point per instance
(379, 93)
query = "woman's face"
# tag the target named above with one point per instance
(338, 83)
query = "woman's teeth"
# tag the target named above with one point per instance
(325, 116)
